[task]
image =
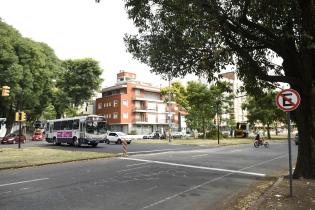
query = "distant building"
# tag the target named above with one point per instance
(134, 106)
(237, 113)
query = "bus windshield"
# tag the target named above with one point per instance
(96, 127)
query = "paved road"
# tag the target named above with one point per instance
(198, 178)
(111, 148)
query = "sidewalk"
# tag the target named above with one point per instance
(274, 195)
(279, 198)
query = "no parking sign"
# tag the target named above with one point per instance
(288, 100)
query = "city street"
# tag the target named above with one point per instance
(110, 148)
(184, 178)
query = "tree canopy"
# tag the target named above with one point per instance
(203, 37)
(262, 109)
(201, 102)
(28, 68)
(41, 84)
(78, 81)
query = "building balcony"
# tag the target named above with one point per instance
(140, 98)
(140, 120)
(143, 109)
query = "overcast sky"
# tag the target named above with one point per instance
(79, 29)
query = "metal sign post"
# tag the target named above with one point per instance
(288, 100)
(290, 158)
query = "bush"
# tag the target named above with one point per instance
(213, 134)
(133, 132)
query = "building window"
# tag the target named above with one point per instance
(109, 104)
(105, 105)
(137, 92)
(125, 115)
(115, 115)
(115, 103)
(125, 103)
(99, 105)
(109, 116)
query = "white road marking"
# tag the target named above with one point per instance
(197, 167)
(200, 155)
(159, 150)
(14, 183)
(203, 184)
(186, 191)
(151, 188)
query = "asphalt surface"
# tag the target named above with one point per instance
(193, 178)
(110, 148)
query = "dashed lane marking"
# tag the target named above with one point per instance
(27, 181)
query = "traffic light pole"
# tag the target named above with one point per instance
(20, 133)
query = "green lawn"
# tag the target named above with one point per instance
(33, 156)
(210, 142)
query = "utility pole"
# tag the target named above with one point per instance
(218, 126)
(169, 108)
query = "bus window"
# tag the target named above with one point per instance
(57, 126)
(75, 124)
(101, 127)
(91, 126)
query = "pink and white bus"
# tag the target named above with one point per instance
(77, 131)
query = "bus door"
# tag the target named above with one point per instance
(82, 130)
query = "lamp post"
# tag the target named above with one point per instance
(169, 108)
(218, 126)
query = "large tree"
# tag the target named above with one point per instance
(262, 109)
(201, 102)
(27, 67)
(78, 81)
(202, 36)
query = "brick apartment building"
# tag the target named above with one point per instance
(132, 105)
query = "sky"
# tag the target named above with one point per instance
(81, 29)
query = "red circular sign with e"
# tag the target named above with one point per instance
(288, 100)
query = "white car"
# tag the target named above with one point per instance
(117, 138)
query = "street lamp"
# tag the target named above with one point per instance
(169, 108)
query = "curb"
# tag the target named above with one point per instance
(263, 197)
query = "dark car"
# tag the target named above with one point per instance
(296, 139)
(13, 138)
(38, 136)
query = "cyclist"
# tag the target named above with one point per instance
(259, 139)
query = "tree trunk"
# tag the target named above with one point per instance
(10, 120)
(305, 118)
(204, 128)
(268, 131)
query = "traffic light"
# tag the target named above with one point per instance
(5, 91)
(23, 116)
(20, 116)
(17, 116)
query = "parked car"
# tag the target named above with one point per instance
(154, 135)
(117, 138)
(296, 139)
(149, 136)
(177, 134)
(38, 136)
(13, 138)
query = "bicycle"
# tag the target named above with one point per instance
(258, 143)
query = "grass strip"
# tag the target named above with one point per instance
(34, 156)
(207, 142)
